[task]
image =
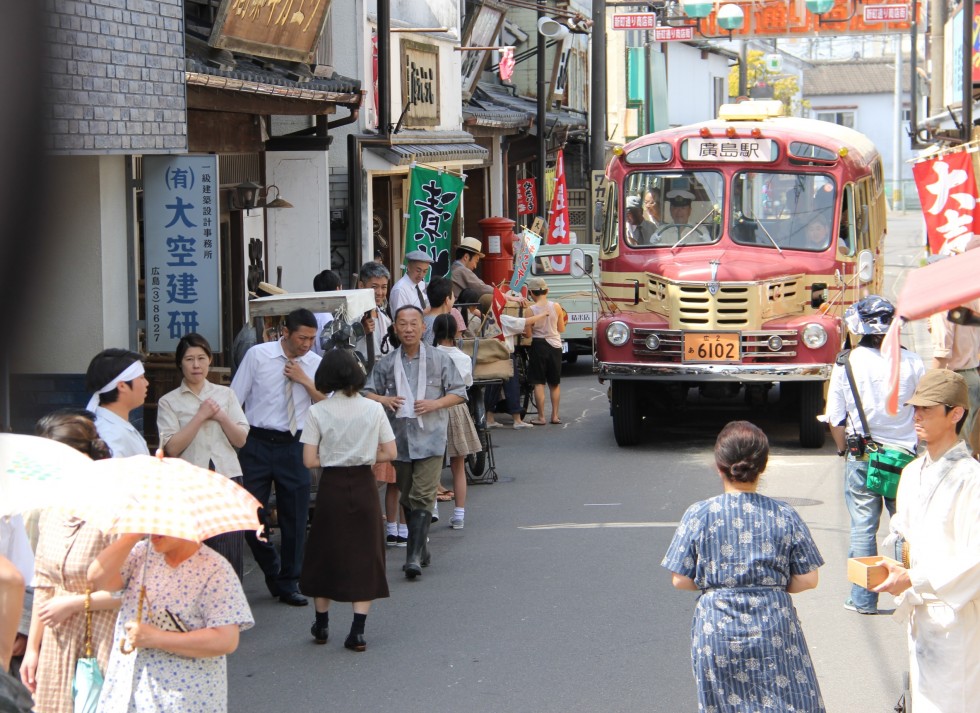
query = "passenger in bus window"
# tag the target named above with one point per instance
(651, 206)
(639, 230)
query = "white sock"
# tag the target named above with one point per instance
(459, 513)
(392, 528)
(402, 529)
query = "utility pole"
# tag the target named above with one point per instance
(542, 118)
(897, 199)
(597, 110)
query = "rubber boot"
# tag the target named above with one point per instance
(418, 529)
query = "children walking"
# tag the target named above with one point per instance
(463, 438)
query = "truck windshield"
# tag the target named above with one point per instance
(783, 211)
(664, 209)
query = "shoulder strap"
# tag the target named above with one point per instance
(857, 396)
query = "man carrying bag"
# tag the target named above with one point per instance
(861, 426)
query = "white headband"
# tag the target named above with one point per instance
(128, 374)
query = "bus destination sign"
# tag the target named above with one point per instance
(723, 149)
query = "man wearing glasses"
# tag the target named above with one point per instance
(410, 289)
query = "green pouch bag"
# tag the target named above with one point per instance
(885, 467)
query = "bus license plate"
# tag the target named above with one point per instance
(712, 347)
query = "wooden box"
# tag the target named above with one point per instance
(868, 572)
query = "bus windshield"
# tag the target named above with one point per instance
(664, 209)
(785, 211)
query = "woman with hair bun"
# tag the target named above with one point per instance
(746, 553)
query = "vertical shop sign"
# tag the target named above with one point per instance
(527, 248)
(180, 209)
(527, 191)
(432, 202)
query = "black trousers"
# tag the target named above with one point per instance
(231, 546)
(267, 459)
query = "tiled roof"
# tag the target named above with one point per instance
(260, 76)
(854, 76)
(405, 154)
(504, 96)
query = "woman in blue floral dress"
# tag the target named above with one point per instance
(747, 553)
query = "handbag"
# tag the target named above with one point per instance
(885, 463)
(484, 351)
(86, 686)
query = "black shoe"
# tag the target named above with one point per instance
(319, 633)
(401, 541)
(391, 540)
(355, 642)
(272, 585)
(293, 599)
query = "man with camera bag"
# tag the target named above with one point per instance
(860, 424)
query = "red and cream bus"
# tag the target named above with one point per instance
(754, 233)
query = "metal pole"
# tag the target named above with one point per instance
(937, 29)
(384, 68)
(648, 75)
(597, 112)
(967, 39)
(542, 118)
(897, 137)
(743, 71)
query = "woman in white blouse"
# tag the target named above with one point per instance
(345, 554)
(203, 423)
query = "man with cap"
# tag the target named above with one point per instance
(936, 535)
(468, 256)
(868, 320)
(639, 230)
(118, 384)
(410, 289)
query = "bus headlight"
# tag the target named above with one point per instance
(652, 342)
(618, 334)
(814, 336)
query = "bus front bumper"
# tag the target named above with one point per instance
(747, 373)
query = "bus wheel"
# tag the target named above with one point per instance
(625, 413)
(813, 433)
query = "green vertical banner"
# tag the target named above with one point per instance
(432, 202)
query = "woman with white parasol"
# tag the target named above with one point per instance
(183, 606)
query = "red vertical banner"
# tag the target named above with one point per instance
(948, 193)
(558, 215)
(527, 191)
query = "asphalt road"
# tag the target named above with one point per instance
(553, 599)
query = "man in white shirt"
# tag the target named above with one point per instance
(869, 320)
(117, 382)
(938, 584)
(410, 289)
(274, 384)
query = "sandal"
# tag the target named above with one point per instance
(445, 496)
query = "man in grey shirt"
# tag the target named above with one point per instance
(416, 383)
(468, 256)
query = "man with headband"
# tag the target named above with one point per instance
(116, 379)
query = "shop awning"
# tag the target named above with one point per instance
(404, 154)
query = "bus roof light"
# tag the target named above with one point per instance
(705, 132)
(730, 132)
(842, 151)
(757, 133)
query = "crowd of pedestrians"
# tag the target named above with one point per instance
(390, 428)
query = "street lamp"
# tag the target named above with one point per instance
(730, 16)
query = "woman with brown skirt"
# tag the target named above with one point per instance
(346, 434)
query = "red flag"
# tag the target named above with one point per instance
(948, 193)
(558, 215)
(891, 350)
(506, 65)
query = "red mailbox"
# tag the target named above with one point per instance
(498, 244)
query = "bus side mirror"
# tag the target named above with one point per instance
(580, 266)
(598, 217)
(866, 266)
